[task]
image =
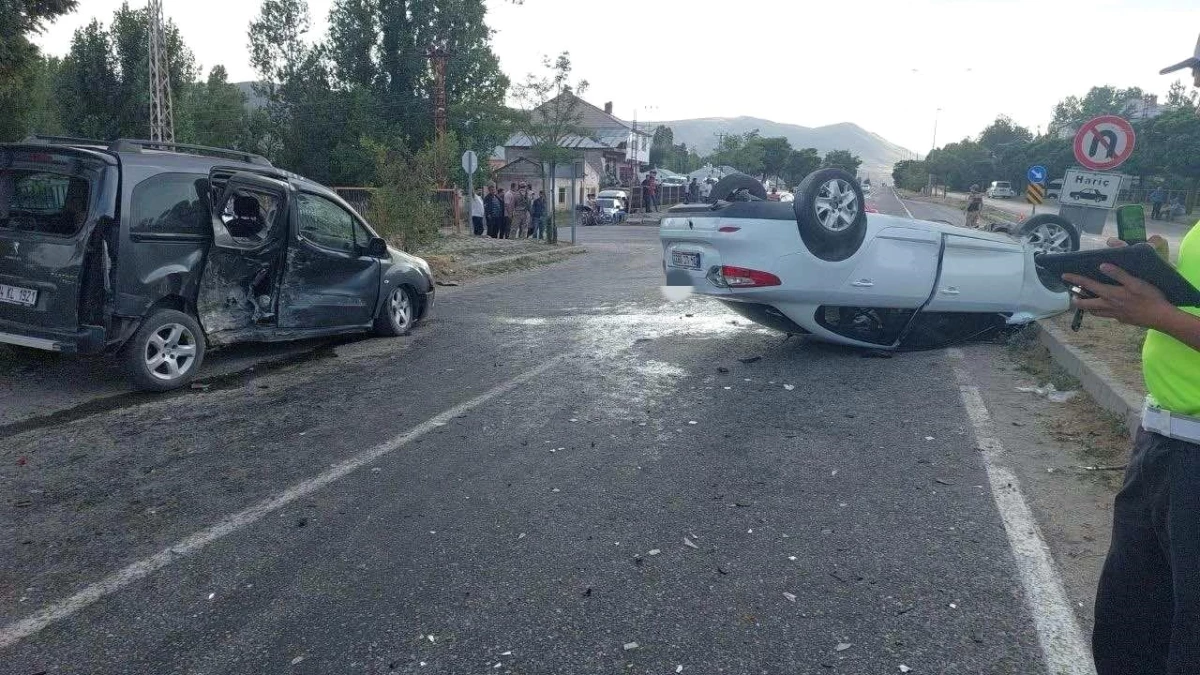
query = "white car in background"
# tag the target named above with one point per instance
(1000, 189)
(823, 266)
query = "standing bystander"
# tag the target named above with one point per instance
(493, 208)
(1148, 601)
(1157, 199)
(974, 206)
(477, 213)
(539, 214)
(521, 205)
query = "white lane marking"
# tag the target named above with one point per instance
(902, 204)
(63, 609)
(1063, 646)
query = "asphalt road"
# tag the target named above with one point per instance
(560, 464)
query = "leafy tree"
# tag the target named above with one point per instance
(662, 146)
(1003, 133)
(18, 19)
(31, 106)
(551, 113)
(1074, 111)
(218, 112)
(88, 84)
(800, 163)
(910, 174)
(401, 208)
(1178, 96)
(842, 159)
(775, 155)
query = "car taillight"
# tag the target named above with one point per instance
(740, 277)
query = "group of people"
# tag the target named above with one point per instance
(1158, 199)
(513, 214)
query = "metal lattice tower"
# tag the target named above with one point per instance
(162, 111)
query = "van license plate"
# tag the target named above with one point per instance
(689, 261)
(18, 296)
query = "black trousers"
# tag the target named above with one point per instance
(1148, 602)
(505, 226)
(1156, 211)
(477, 225)
(493, 225)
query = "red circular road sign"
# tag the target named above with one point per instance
(1104, 143)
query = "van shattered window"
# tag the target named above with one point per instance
(44, 201)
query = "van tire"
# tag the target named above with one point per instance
(398, 314)
(734, 182)
(830, 236)
(170, 331)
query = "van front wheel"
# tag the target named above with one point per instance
(166, 352)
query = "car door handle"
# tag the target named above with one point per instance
(950, 290)
(863, 283)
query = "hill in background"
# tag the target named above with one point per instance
(878, 154)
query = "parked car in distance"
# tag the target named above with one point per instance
(154, 252)
(1054, 189)
(1000, 189)
(1089, 194)
(611, 209)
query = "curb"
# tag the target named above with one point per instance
(1095, 376)
(565, 251)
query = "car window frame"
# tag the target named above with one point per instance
(354, 218)
(205, 233)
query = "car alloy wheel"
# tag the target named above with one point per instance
(1049, 238)
(401, 309)
(170, 352)
(836, 205)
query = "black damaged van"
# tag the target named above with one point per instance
(157, 251)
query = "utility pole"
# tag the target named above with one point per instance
(439, 55)
(162, 112)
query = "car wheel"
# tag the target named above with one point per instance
(398, 315)
(730, 184)
(830, 212)
(1049, 233)
(166, 352)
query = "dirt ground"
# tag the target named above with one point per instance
(1068, 456)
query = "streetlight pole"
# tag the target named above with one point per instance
(935, 126)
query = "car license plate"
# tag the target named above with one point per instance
(689, 261)
(18, 296)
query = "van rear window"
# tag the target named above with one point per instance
(46, 194)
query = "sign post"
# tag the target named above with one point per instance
(1036, 192)
(470, 164)
(1089, 194)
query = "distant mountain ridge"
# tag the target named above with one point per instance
(878, 154)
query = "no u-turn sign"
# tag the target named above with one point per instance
(1104, 143)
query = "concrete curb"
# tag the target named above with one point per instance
(565, 251)
(1095, 376)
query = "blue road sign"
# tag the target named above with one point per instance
(1037, 174)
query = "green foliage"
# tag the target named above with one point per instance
(402, 210)
(910, 174)
(1003, 133)
(775, 154)
(218, 115)
(842, 159)
(1073, 111)
(667, 154)
(799, 164)
(18, 19)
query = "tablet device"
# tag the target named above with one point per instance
(1140, 260)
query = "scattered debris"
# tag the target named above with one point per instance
(431, 639)
(789, 387)
(22, 460)
(1121, 467)
(692, 422)
(905, 669)
(301, 522)
(520, 536)
(689, 543)
(498, 665)
(446, 283)
(843, 646)
(630, 646)
(877, 354)
(792, 558)
(679, 669)
(644, 340)
(376, 470)
(201, 386)
(790, 597)
(298, 659)
(751, 359)
(211, 596)
(573, 420)
(653, 551)
(506, 654)
(929, 438)
(1050, 392)
(721, 570)
(689, 315)
(723, 370)
(953, 606)
(942, 481)
(556, 490)
(833, 473)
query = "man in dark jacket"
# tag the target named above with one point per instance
(493, 209)
(539, 215)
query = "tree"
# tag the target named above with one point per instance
(1003, 133)
(401, 208)
(775, 155)
(800, 163)
(88, 84)
(1178, 96)
(18, 19)
(1073, 111)
(842, 159)
(218, 112)
(551, 114)
(662, 145)
(910, 174)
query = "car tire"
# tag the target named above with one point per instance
(1045, 228)
(166, 352)
(734, 182)
(398, 315)
(832, 232)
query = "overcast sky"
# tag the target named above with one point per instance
(886, 65)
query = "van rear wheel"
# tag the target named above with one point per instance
(166, 352)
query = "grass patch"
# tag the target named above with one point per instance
(457, 257)
(1115, 344)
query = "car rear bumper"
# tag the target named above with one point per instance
(89, 340)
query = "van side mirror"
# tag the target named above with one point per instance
(377, 248)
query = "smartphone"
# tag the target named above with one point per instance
(1131, 224)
